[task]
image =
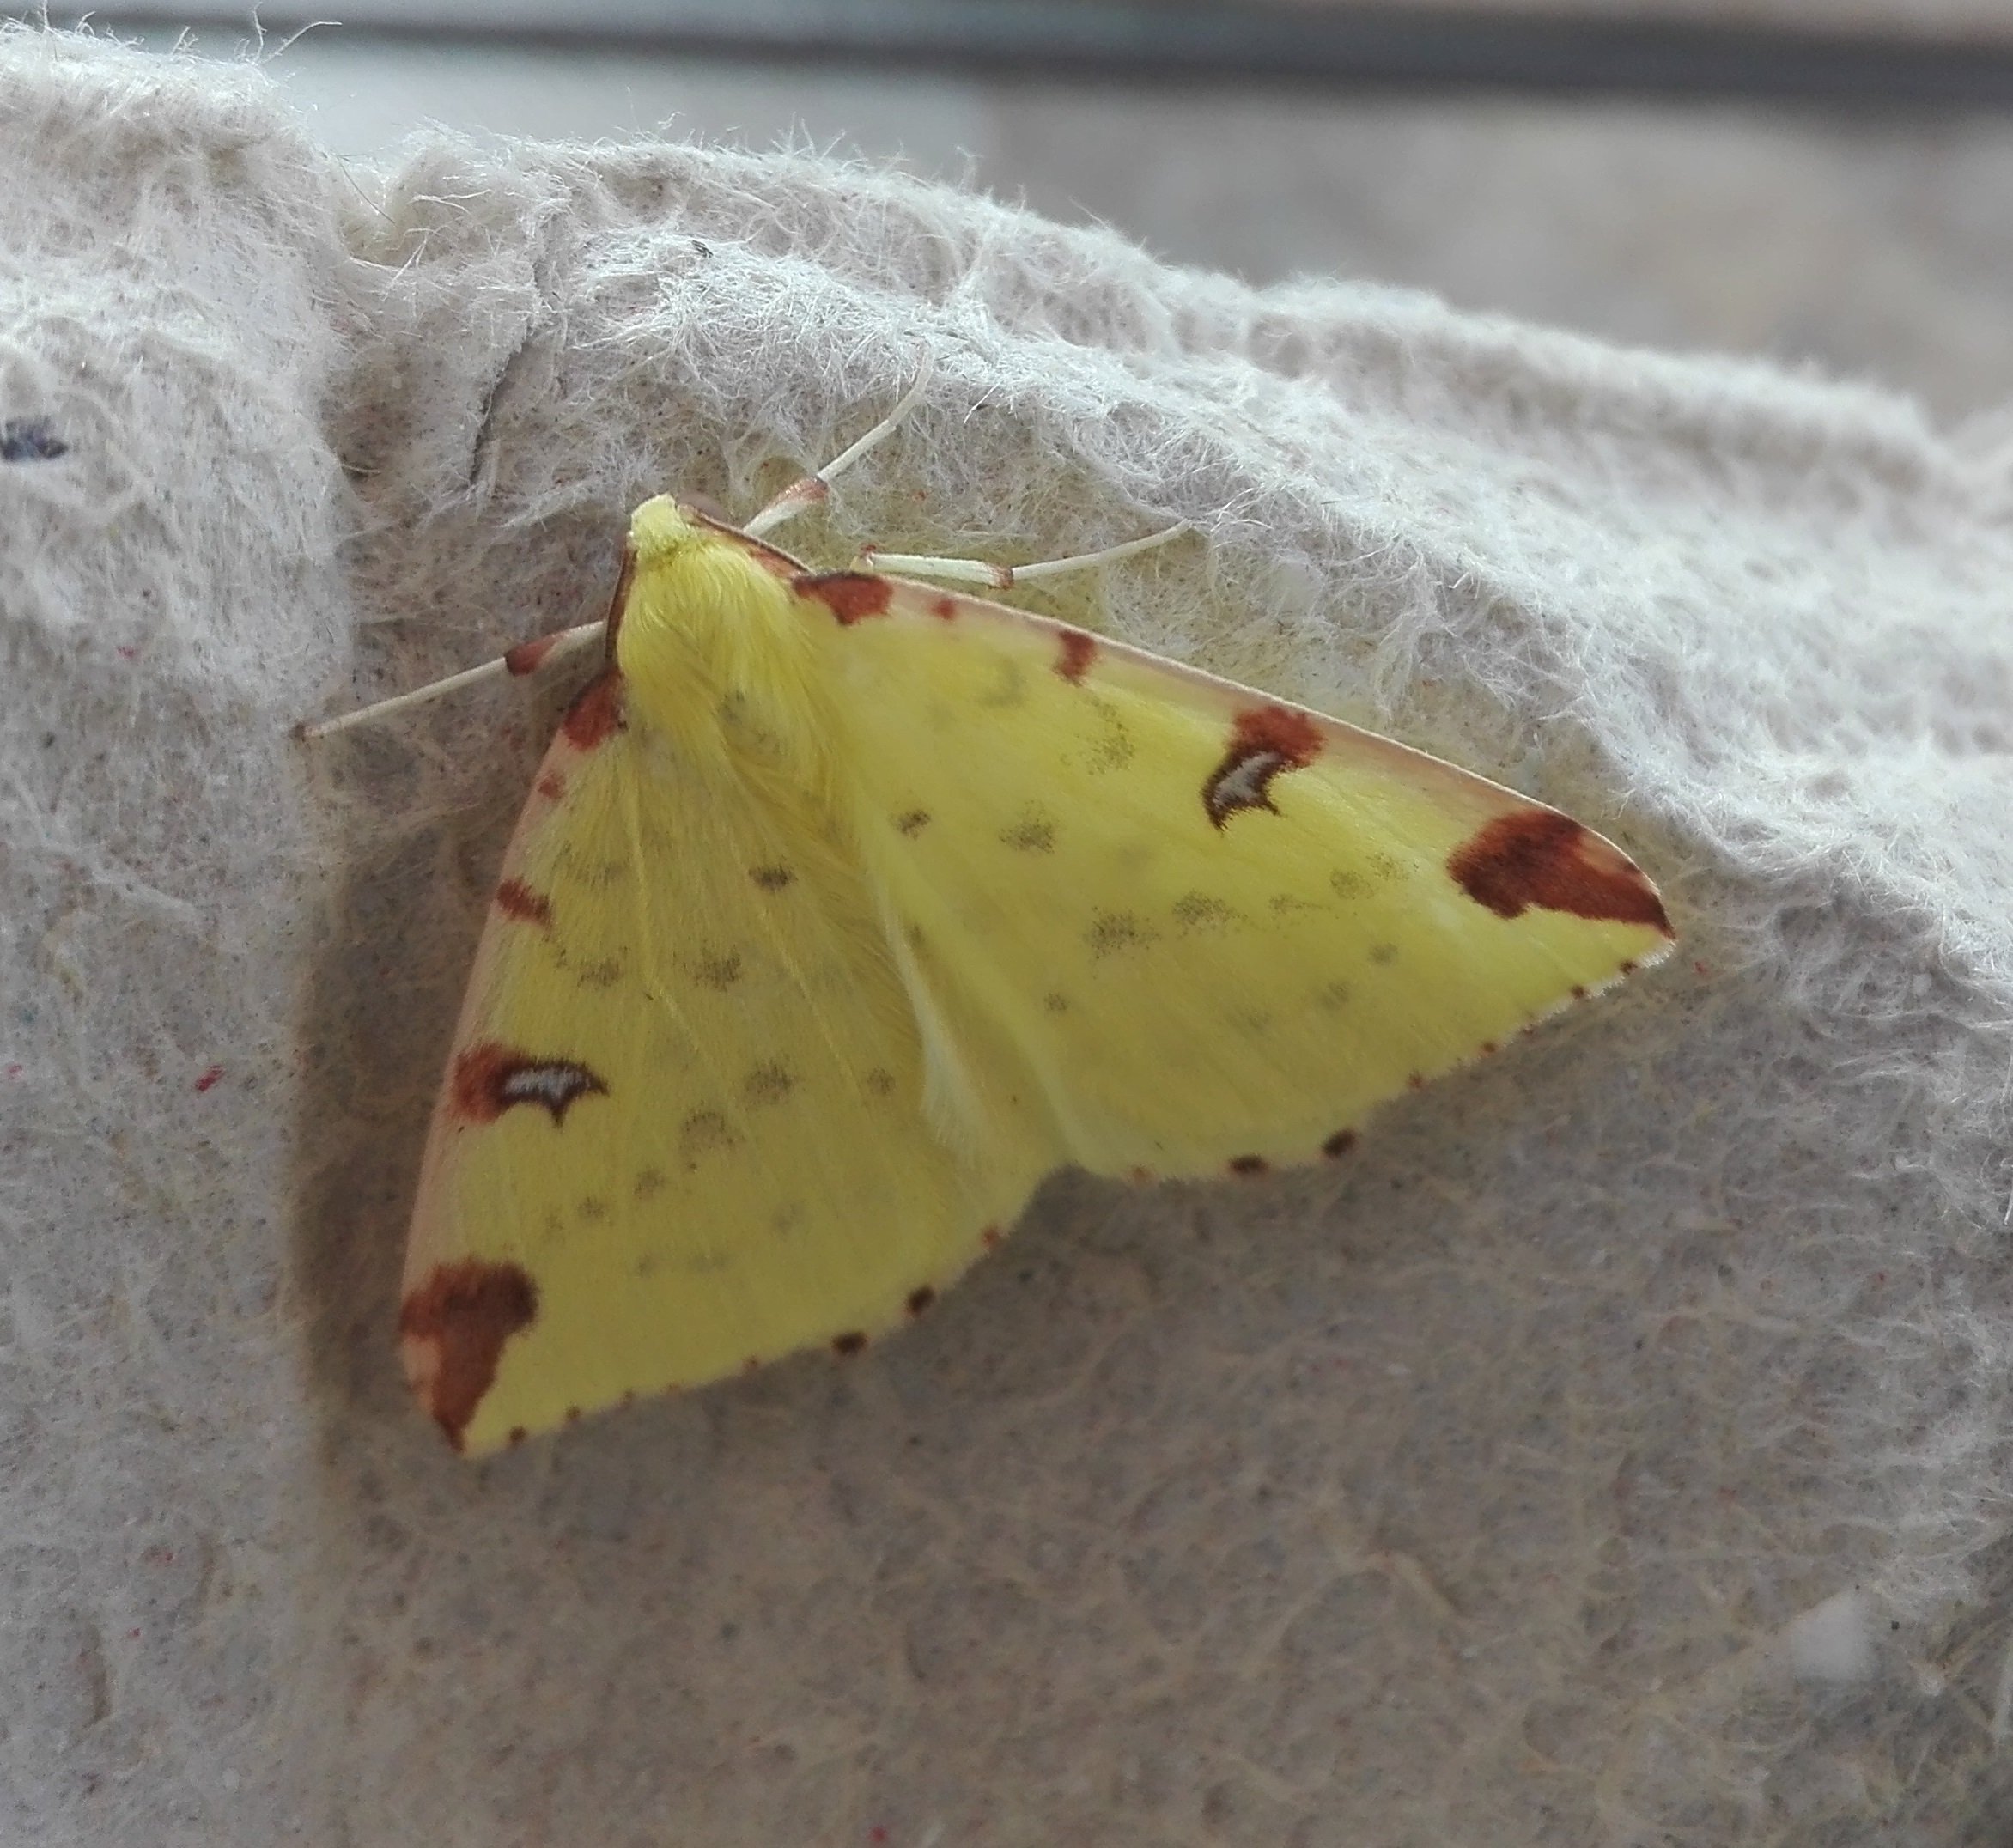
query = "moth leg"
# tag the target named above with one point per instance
(1004, 577)
(811, 489)
(526, 658)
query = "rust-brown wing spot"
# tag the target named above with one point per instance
(911, 822)
(1247, 1164)
(1536, 857)
(490, 1077)
(920, 1299)
(596, 713)
(1078, 650)
(851, 596)
(850, 1343)
(944, 608)
(1264, 742)
(772, 878)
(452, 1330)
(552, 786)
(1339, 1144)
(515, 899)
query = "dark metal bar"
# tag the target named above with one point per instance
(1191, 42)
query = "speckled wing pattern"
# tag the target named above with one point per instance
(1217, 929)
(682, 1129)
(745, 1069)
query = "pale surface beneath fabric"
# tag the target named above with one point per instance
(1612, 1451)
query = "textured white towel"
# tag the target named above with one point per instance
(1614, 1453)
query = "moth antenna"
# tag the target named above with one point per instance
(811, 489)
(1004, 577)
(527, 657)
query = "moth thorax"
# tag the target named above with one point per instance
(714, 651)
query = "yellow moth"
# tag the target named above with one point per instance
(845, 908)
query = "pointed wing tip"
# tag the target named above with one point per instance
(1532, 857)
(1656, 947)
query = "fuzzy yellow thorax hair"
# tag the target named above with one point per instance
(716, 651)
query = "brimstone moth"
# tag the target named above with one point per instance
(844, 909)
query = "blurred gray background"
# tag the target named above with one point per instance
(1871, 242)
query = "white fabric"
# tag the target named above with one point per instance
(1613, 1452)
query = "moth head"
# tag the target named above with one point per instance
(659, 529)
